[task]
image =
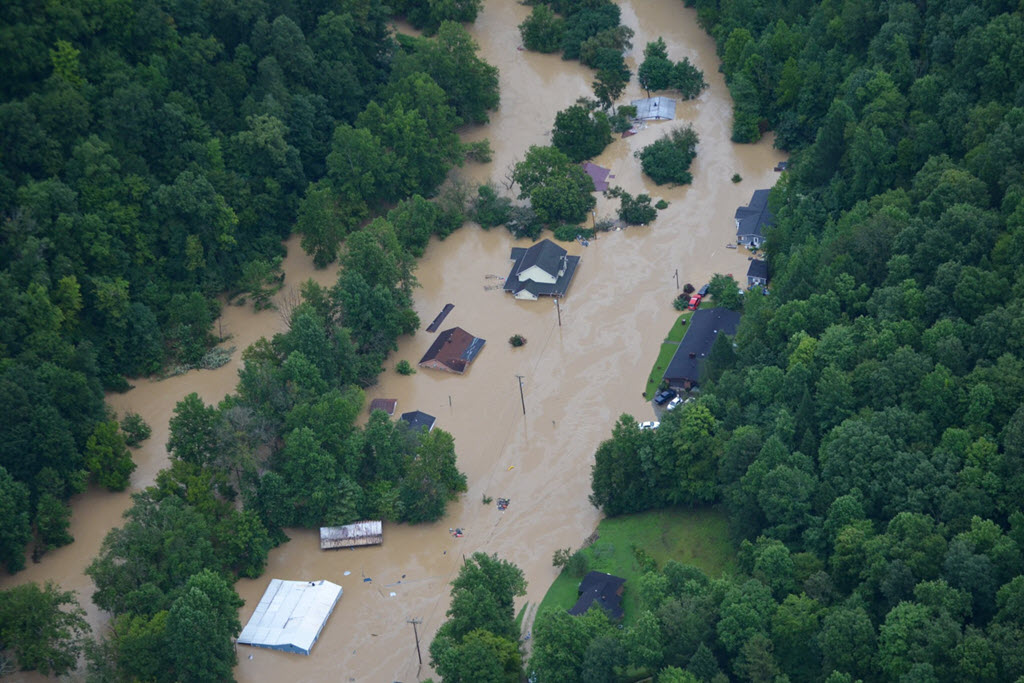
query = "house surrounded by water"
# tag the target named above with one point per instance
(357, 534)
(545, 269)
(757, 273)
(751, 220)
(452, 351)
(683, 372)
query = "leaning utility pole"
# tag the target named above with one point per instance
(559, 309)
(522, 400)
(417, 634)
(677, 278)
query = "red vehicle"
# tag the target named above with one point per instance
(694, 302)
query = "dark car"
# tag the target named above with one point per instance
(663, 397)
(703, 291)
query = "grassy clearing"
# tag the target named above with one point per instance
(679, 327)
(668, 349)
(696, 537)
(664, 358)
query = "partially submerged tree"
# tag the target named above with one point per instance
(668, 160)
(581, 133)
(558, 189)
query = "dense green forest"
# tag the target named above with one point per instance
(155, 155)
(866, 433)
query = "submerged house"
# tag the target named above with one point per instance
(751, 220)
(290, 615)
(603, 589)
(655, 109)
(417, 420)
(757, 273)
(545, 269)
(351, 535)
(452, 351)
(388, 405)
(598, 174)
(683, 372)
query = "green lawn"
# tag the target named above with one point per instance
(697, 537)
(668, 349)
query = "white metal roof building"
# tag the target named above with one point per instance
(291, 615)
(655, 109)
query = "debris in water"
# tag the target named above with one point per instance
(503, 503)
(392, 593)
(367, 579)
(347, 572)
(510, 468)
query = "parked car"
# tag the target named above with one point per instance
(694, 302)
(650, 424)
(674, 403)
(703, 291)
(663, 396)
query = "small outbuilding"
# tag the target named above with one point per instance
(751, 220)
(388, 405)
(757, 273)
(655, 109)
(603, 589)
(452, 351)
(683, 372)
(417, 420)
(545, 269)
(290, 615)
(353, 535)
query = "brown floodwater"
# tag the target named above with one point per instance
(577, 377)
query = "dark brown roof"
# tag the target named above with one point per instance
(454, 348)
(388, 405)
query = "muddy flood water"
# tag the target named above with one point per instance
(577, 378)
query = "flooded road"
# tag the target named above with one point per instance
(577, 378)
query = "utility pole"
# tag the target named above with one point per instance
(523, 400)
(417, 634)
(677, 278)
(559, 309)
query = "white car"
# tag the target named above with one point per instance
(674, 403)
(650, 424)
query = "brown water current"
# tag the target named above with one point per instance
(577, 378)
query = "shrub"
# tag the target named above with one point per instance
(568, 232)
(517, 340)
(403, 367)
(578, 564)
(688, 288)
(661, 205)
(523, 222)
(736, 177)
(680, 303)
(489, 209)
(668, 160)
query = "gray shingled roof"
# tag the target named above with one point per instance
(758, 268)
(755, 216)
(549, 259)
(704, 327)
(417, 419)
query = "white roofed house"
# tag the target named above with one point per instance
(545, 269)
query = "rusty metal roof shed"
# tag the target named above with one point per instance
(351, 535)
